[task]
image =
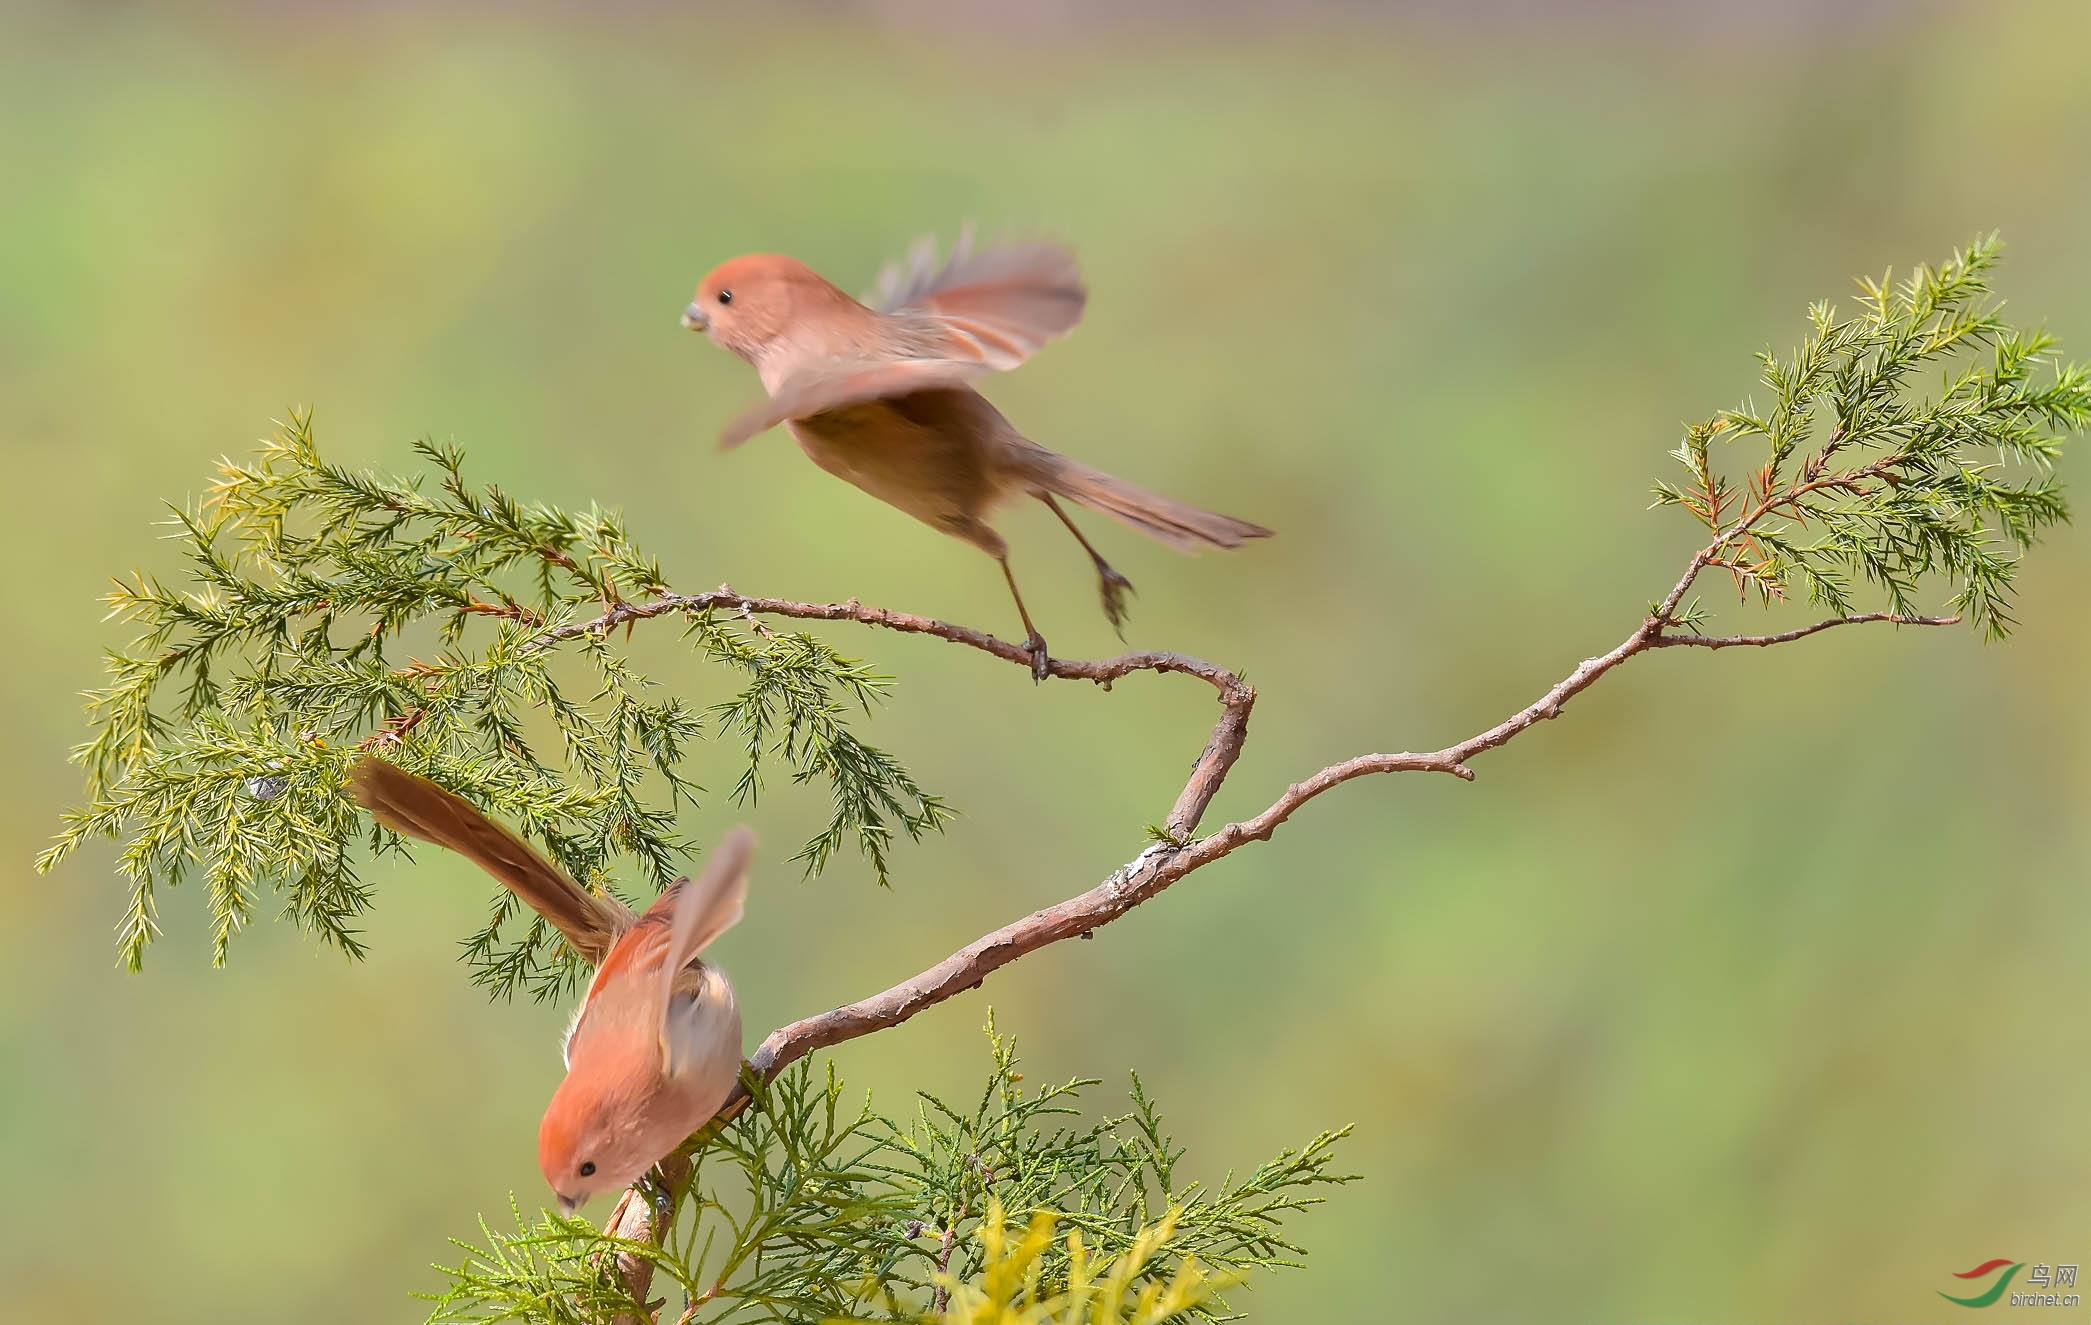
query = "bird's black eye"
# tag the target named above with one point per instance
(725, 296)
(588, 1168)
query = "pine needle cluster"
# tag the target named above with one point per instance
(326, 611)
(802, 1209)
(1868, 480)
(1099, 1290)
(470, 637)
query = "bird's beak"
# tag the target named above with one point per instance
(569, 1204)
(693, 317)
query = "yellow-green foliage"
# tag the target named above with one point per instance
(1099, 1291)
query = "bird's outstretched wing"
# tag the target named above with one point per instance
(834, 383)
(947, 325)
(999, 304)
(409, 804)
(704, 908)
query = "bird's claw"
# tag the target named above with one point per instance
(1041, 661)
(1113, 588)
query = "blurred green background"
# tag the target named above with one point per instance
(1752, 989)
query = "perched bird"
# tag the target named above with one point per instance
(656, 1047)
(881, 395)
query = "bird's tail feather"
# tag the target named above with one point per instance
(1166, 520)
(412, 805)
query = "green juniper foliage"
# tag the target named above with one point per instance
(804, 1210)
(1868, 480)
(327, 610)
(468, 637)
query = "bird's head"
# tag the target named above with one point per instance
(602, 1130)
(748, 303)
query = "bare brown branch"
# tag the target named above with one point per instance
(1236, 696)
(633, 1218)
(1165, 862)
(1788, 636)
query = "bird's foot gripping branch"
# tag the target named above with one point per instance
(328, 615)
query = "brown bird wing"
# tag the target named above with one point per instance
(419, 808)
(978, 313)
(704, 908)
(999, 305)
(834, 383)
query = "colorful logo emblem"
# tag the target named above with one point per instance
(2041, 1286)
(1983, 1271)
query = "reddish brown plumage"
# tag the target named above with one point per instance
(655, 1048)
(882, 398)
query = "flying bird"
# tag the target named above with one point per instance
(656, 1047)
(880, 394)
